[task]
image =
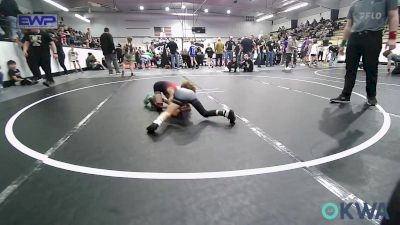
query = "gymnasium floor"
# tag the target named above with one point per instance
(82, 156)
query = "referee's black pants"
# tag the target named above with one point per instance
(368, 45)
(37, 61)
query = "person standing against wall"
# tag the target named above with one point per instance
(366, 21)
(108, 48)
(219, 51)
(36, 49)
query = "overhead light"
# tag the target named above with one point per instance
(167, 9)
(184, 14)
(57, 5)
(288, 2)
(264, 18)
(183, 7)
(82, 18)
(298, 6)
(141, 8)
(206, 10)
(228, 11)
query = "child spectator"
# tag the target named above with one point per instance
(15, 75)
(128, 55)
(210, 53)
(199, 57)
(192, 54)
(120, 54)
(233, 65)
(247, 65)
(334, 51)
(73, 58)
(313, 53)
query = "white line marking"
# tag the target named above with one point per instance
(330, 184)
(394, 115)
(38, 164)
(338, 78)
(15, 184)
(298, 91)
(201, 175)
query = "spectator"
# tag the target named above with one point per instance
(238, 49)
(120, 54)
(73, 58)
(199, 56)
(192, 54)
(129, 56)
(233, 65)
(321, 50)
(9, 9)
(248, 47)
(88, 38)
(108, 48)
(334, 51)
(270, 46)
(63, 36)
(92, 63)
(260, 50)
(210, 52)
(186, 58)
(247, 65)
(313, 53)
(173, 50)
(229, 46)
(219, 51)
(15, 75)
(60, 51)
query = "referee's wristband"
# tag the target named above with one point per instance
(343, 44)
(393, 35)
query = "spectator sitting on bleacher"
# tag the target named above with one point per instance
(15, 75)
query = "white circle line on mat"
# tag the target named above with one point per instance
(9, 132)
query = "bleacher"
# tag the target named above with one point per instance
(338, 34)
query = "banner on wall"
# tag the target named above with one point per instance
(37, 21)
(162, 31)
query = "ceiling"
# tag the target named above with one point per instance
(215, 7)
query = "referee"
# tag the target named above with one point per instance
(363, 35)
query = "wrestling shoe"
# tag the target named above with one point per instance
(231, 117)
(340, 99)
(372, 101)
(152, 128)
